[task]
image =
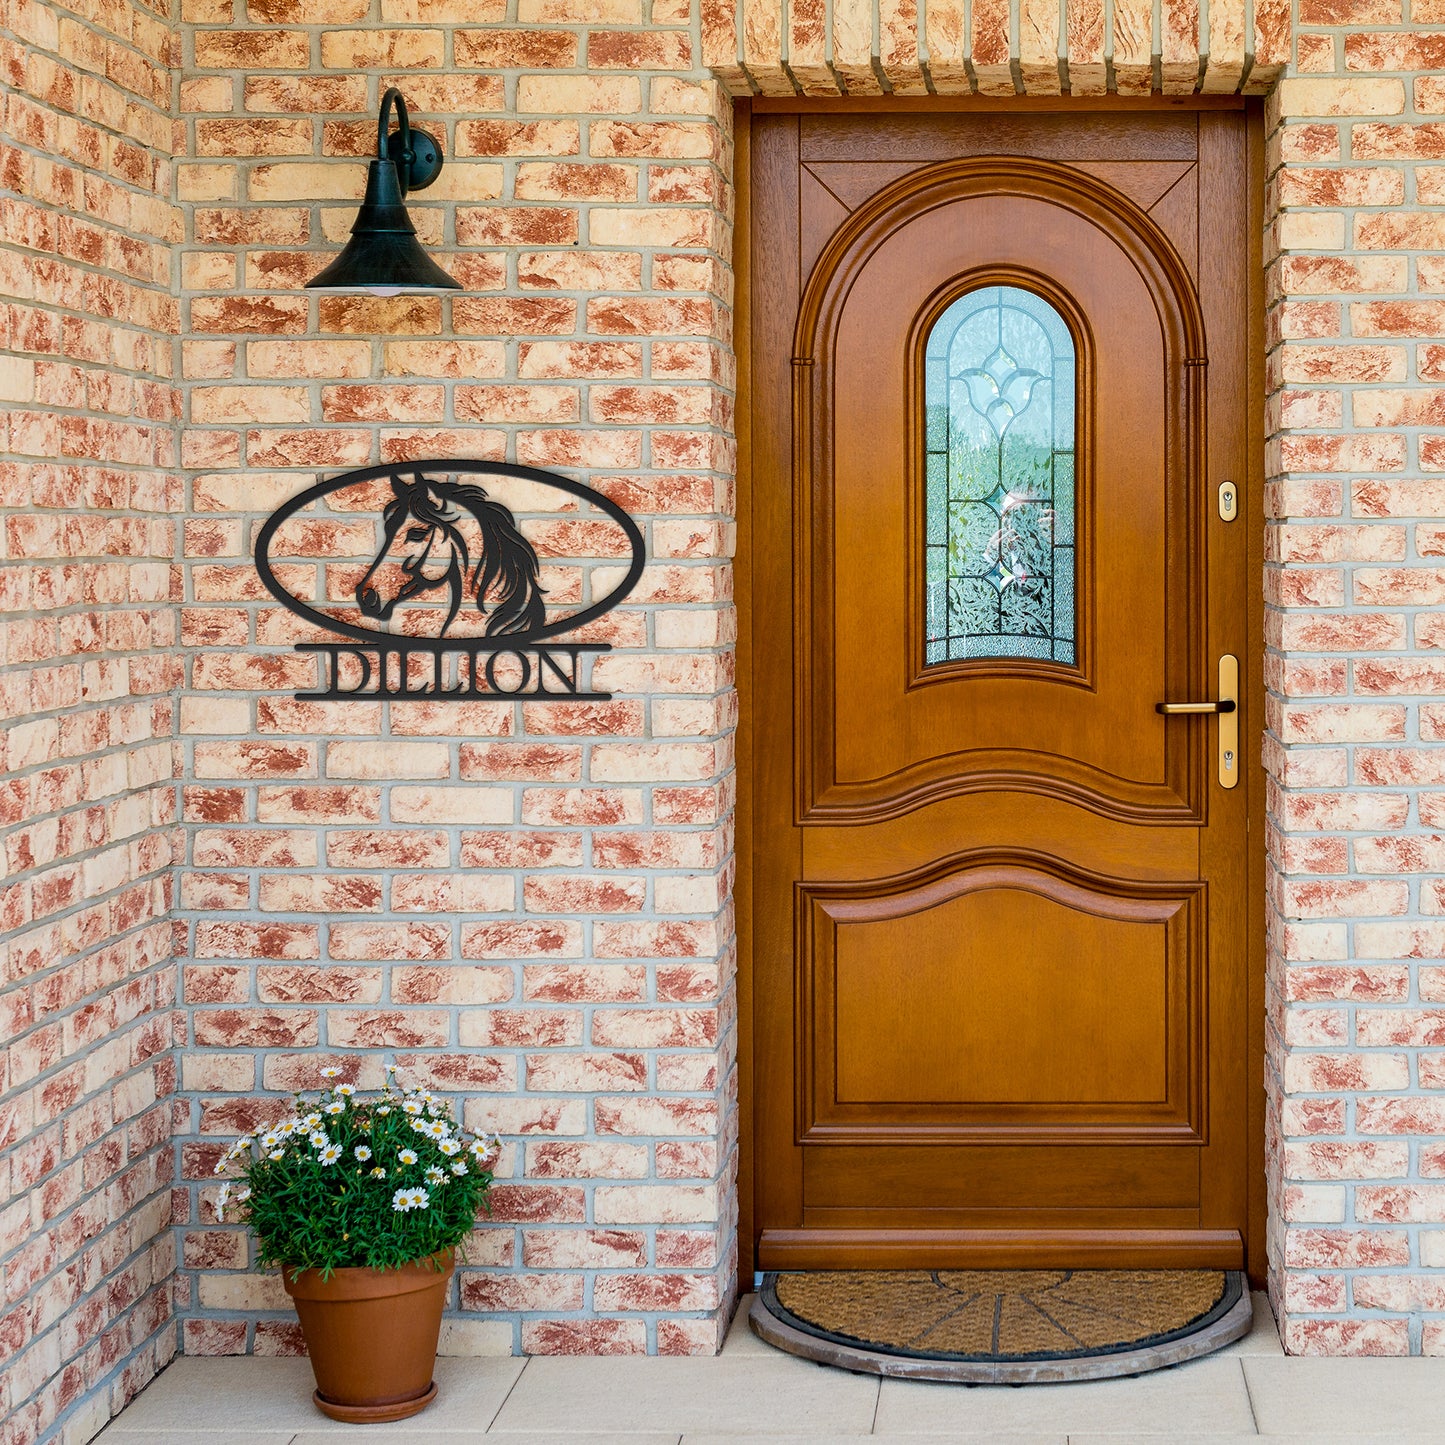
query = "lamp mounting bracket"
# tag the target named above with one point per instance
(425, 162)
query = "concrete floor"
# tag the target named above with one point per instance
(1242, 1393)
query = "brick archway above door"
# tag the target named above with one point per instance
(873, 47)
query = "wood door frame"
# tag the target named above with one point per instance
(1253, 518)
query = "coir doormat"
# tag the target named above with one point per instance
(1003, 1326)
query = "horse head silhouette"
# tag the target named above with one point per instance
(425, 548)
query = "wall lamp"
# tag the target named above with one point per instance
(383, 255)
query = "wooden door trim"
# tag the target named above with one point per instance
(1004, 1249)
(743, 599)
(1253, 518)
(746, 294)
(983, 104)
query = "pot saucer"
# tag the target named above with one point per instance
(375, 1414)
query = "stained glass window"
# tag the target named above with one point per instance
(999, 392)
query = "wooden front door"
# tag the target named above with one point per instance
(999, 371)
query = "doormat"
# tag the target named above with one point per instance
(999, 1326)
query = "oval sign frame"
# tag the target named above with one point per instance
(288, 509)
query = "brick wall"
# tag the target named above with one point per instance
(998, 48)
(1354, 581)
(529, 904)
(523, 904)
(88, 667)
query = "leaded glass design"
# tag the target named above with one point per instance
(999, 392)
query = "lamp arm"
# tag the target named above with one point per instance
(393, 97)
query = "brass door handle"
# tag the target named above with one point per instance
(1226, 708)
(1174, 709)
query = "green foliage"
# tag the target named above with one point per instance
(349, 1180)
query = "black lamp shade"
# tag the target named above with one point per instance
(383, 255)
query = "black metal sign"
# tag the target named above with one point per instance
(448, 555)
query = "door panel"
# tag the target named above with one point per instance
(927, 1033)
(905, 1183)
(1087, 735)
(1017, 1033)
(1000, 963)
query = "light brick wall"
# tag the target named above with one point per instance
(524, 904)
(1354, 583)
(88, 668)
(529, 905)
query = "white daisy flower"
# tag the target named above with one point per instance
(362, 1152)
(450, 1146)
(311, 1120)
(345, 1090)
(419, 1125)
(331, 1154)
(336, 1106)
(385, 1109)
(319, 1139)
(437, 1129)
(392, 1068)
(270, 1140)
(242, 1195)
(277, 1154)
(459, 1167)
(289, 1127)
(378, 1172)
(220, 1166)
(331, 1073)
(407, 1156)
(486, 1152)
(435, 1176)
(405, 1200)
(412, 1106)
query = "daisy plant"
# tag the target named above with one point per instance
(349, 1180)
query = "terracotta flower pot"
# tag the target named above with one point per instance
(372, 1336)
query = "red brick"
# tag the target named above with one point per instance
(634, 50)
(254, 1028)
(517, 137)
(516, 49)
(521, 1292)
(521, 940)
(585, 1073)
(655, 1292)
(584, 1249)
(536, 1204)
(516, 226)
(584, 1337)
(387, 1029)
(589, 983)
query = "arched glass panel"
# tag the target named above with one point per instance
(999, 389)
